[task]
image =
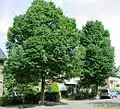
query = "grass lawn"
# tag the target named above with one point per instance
(108, 108)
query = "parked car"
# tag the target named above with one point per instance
(108, 93)
(15, 98)
(14, 94)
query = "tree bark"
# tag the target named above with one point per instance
(96, 89)
(42, 91)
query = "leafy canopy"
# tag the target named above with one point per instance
(43, 43)
(99, 59)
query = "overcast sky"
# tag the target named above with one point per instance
(107, 11)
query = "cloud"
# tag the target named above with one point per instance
(115, 31)
(58, 2)
(113, 27)
(106, 11)
(8, 10)
(4, 24)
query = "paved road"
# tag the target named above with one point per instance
(83, 104)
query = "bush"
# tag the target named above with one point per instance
(52, 96)
(31, 96)
(53, 93)
(117, 85)
(14, 100)
(55, 87)
(84, 95)
(64, 94)
(4, 100)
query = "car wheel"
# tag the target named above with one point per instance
(111, 97)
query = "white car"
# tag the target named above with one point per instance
(108, 93)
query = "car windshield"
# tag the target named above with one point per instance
(112, 91)
(104, 91)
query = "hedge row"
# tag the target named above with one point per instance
(29, 98)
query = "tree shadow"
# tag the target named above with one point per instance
(22, 106)
(105, 103)
(47, 103)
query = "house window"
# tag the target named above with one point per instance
(111, 81)
(1, 81)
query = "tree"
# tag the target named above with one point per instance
(99, 59)
(43, 44)
(10, 83)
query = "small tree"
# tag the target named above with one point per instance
(99, 60)
(43, 44)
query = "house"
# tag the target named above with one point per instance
(113, 82)
(2, 59)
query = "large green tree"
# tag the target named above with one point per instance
(43, 44)
(99, 59)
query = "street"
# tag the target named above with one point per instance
(76, 104)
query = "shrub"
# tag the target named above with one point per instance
(52, 96)
(4, 100)
(13, 100)
(117, 85)
(53, 93)
(84, 95)
(55, 87)
(31, 96)
(64, 94)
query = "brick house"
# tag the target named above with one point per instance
(2, 59)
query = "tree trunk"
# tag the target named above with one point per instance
(96, 89)
(42, 91)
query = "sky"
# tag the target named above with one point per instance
(107, 11)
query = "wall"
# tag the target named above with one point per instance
(107, 83)
(112, 81)
(1, 78)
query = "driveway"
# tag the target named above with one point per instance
(79, 104)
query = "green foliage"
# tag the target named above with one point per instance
(108, 107)
(30, 89)
(48, 88)
(55, 87)
(42, 18)
(43, 44)
(4, 100)
(9, 83)
(31, 95)
(99, 60)
(117, 85)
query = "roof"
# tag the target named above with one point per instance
(62, 87)
(73, 81)
(2, 55)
